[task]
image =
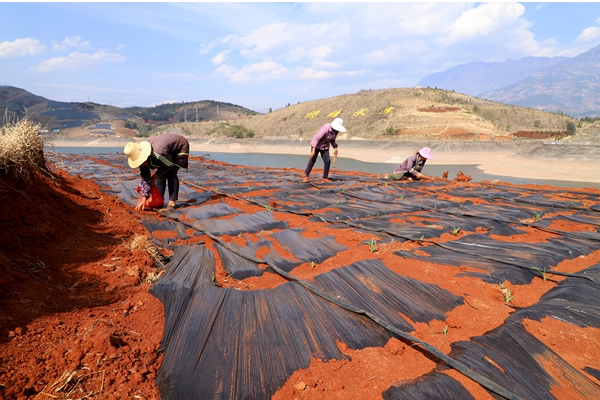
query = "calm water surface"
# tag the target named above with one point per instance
(342, 164)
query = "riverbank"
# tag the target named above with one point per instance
(529, 159)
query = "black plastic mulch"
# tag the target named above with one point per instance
(514, 358)
(225, 343)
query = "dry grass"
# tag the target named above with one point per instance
(22, 150)
(382, 114)
(143, 243)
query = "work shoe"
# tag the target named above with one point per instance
(325, 180)
(305, 179)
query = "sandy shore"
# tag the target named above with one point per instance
(520, 159)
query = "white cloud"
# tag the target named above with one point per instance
(20, 48)
(486, 18)
(591, 33)
(74, 41)
(310, 73)
(76, 61)
(220, 58)
(120, 47)
(178, 76)
(290, 42)
(232, 73)
(261, 71)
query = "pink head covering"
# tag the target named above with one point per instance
(426, 152)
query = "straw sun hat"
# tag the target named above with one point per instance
(137, 153)
(338, 125)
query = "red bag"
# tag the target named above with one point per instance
(155, 200)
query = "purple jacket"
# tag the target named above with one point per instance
(410, 165)
(323, 137)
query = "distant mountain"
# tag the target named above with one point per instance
(475, 78)
(15, 99)
(61, 115)
(572, 86)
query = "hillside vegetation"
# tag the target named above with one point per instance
(392, 113)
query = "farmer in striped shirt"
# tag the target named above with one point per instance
(166, 153)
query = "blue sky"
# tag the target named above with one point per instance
(262, 55)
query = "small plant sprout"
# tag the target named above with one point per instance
(419, 240)
(312, 264)
(216, 189)
(401, 197)
(240, 234)
(445, 330)
(542, 273)
(269, 208)
(460, 205)
(505, 293)
(455, 231)
(538, 215)
(372, 245)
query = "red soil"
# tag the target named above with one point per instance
(77, 319)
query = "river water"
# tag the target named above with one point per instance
(342, 164)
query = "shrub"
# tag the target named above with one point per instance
(22, 150)
(571, 129)
(130, 124)
(144, 131)
(235, 131)
(390, 130)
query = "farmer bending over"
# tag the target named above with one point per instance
(166, 153)
(412, 167)
(320, 145)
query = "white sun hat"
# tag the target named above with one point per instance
(137, 153)
(338, 125)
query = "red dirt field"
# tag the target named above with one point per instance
(78, 322)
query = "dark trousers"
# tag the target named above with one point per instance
(173, 181)
(313, 160)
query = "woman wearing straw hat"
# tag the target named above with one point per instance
(320, 145)
(166, 153)
(412, 167)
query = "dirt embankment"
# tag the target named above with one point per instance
(77, 320)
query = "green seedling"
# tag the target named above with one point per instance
(445, 330)
(460, 205)
(269, 208)
(419, 240)
(343, 190)
(401, 197)
(213, 278)
(372, 245)
(240, 234)
(312, 264)
(455, 231)
(216, 189)
(543, 273)
(538, 215)
(249, 187)
(505, 293)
